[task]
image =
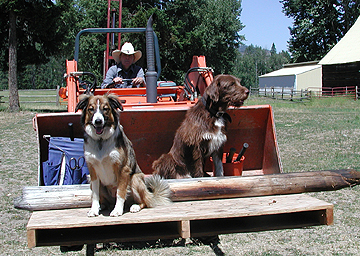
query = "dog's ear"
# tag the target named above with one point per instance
(115, 102)
(213, 90)
(84, 100)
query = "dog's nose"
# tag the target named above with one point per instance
(247, 91)
(98, 121)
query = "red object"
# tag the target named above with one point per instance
(72, 85)
(201, 79)
(151, 128)
(233, 168)
(111, 24)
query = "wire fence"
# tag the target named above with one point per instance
(281, 93)
(346, 91)
(35, 96)
(287, 93)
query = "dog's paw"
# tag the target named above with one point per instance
(116, 212)
(93, 212)
(135, 208)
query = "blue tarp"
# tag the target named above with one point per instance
(63, 148)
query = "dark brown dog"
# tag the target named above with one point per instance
(110, 157)
(202, 133)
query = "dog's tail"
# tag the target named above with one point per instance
(159, 189)
(165, 166)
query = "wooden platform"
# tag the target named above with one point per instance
(181, 219)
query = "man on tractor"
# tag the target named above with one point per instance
(125, 74)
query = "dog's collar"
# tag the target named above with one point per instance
(214, 112)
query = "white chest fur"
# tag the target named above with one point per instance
(217, 138)
(103, 159)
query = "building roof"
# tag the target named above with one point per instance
(347, 50)
(291, 70)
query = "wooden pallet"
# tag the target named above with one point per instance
(180, 219)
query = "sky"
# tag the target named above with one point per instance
(265, 24)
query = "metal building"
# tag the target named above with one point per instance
(296, 76)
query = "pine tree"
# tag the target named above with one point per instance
(273, 49)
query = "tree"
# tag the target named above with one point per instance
(318, 25)
(184, 29)
(14, 103)
(256, 61)
(277, 61)
(91, 14)
(197, 27)
(273, 49)
(32, 30)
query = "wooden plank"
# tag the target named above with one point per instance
(181, 219)
(327, 218)
(184, 229)
(31, 238)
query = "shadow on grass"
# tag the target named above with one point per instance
(152, 244)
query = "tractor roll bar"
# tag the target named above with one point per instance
(118, 30)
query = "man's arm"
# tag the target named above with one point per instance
(139, 81)
(110, 75)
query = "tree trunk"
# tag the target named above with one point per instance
(14, 104)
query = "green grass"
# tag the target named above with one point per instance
(318, 134)
(34, 95)
(313, 135)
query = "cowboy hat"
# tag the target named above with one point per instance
(127, 49)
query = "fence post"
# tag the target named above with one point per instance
(272, 92)
(356, 93)
(57, 95)
(265, 91)
(291, 94)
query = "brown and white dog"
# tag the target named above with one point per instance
(111, 161)
(202, 133)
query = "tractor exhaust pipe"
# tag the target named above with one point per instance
(151, 74)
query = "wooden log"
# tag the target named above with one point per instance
(78, 196)
(263, 185)
(37, 198)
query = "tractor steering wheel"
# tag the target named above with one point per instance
(109, 85)
(85, 84)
